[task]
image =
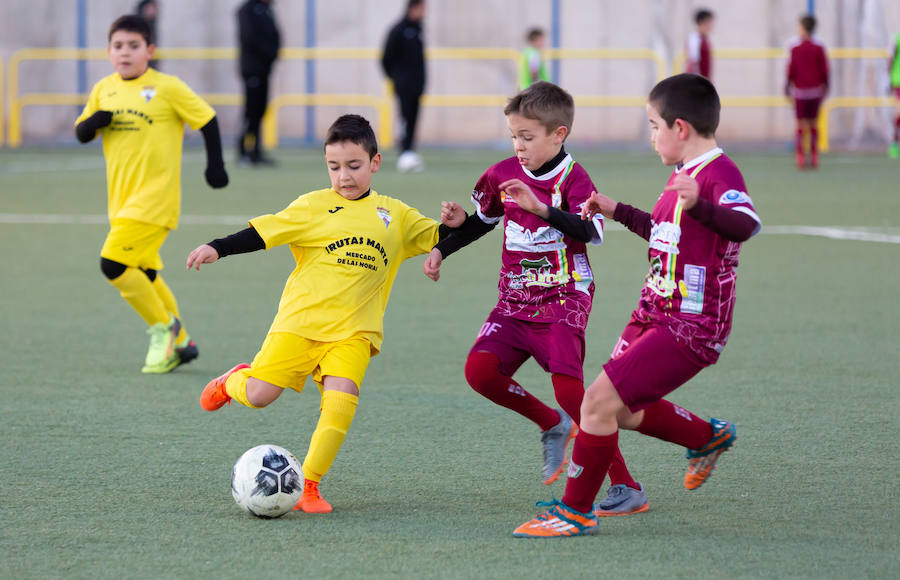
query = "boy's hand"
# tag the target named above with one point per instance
(452, 214)
(204, 254)
(686, 188)
(432, 265)
(101, 119)
(598, 203)
(522, 194)
(216, 176)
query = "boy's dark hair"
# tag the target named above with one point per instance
(808, 23)
(131, 23)
(688, 97)
(702, 15)
(413, 4)
(355, 129)
(546, 103)
(534, 34)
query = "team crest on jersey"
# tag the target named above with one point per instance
(385, 215)
(734, 196)
(148, 93)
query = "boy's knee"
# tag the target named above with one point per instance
(261, 393)
(111, 269)
(481, 368)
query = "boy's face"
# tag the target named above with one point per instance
(350, 168)
(532, 144)
(129, 53)
(668, 141)
(540, 42)
(705, 27)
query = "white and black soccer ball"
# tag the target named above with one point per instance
(267, 481)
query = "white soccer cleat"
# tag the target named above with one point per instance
(409, 161)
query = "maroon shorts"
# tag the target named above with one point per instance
(807, 108)
(557, 347)
(648, 363)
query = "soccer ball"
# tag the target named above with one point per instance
(267, 481)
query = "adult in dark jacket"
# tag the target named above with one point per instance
(403, 62)
(259, 43)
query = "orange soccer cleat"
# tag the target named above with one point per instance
(214, 396)
(560, 521)
(312, 501)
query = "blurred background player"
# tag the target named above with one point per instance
(141, 114)
(403, 61)
(348, 242)
(807, 85)
(259, 42)
(699, 50)
(531, 64)
(546, 283)
(149, 11)
(894, 71)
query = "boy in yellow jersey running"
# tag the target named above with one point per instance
(141, 114)
(348, 242)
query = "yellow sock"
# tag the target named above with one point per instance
(337, 413)
(236, 387)
(136, 289)
(168, 299)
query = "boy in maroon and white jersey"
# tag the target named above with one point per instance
(684, 315)
(699, 50)
(546, 283)
(807, 85)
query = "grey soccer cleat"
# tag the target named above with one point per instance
(622, 500)
(555, 440)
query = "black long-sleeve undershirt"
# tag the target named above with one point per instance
(242, 242)
(457, 238)
(732, 225)
(571, 224)
(86, 130)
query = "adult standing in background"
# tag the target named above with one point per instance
(259, 43)
(149, 11)
(699, 50)
(403, 62)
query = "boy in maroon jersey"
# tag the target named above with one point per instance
(699, 50)
(685, 310)
(807, 85)
(546, 283)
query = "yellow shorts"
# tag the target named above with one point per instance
(134, 244)
(285, 360)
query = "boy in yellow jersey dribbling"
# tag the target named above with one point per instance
(348, 242)
(141, 114)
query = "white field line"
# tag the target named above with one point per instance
(885, 235)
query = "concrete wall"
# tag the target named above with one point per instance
(661, 25)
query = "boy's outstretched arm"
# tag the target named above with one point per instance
(246, 240)
(86, 130)
(457, 231)
(568, 223)
(215, 173)
(636, 220)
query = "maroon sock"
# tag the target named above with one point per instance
(618, 472)
(671, 423)
(897, 129)
(483, 375)
(591, 457)
(813, 139)
(569, 392)
(799, 141)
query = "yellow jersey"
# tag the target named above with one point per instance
(347, 254)
(142, 145)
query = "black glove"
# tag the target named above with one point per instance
(87, 129)
(100, 119)
(216, 176)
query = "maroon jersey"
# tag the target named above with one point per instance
(545, 276)
(691, 284)
(807, 70)
(699, 55)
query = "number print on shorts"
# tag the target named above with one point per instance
(489, 328)
(620, 347)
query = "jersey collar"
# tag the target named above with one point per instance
(561, 166)
(698, 160)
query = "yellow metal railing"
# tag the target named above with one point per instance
(382, 104)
